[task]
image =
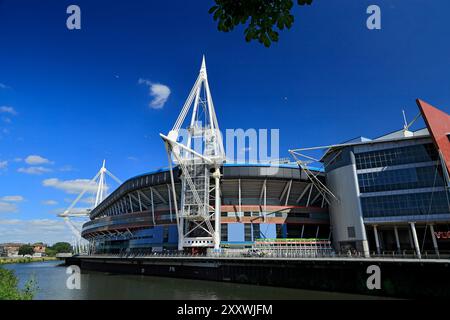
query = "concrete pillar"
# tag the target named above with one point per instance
(217, 210)
(364, 242)
(397, 240)
(377, 242)
(365, 246)
(411, 241)
(416, 241)
(433, 236)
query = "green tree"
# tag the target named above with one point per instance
(50, 252)
(266, 16)
(26, 249)
(61, 247)
(9, 287)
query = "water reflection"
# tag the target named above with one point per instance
(52, 278)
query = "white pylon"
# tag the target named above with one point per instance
(100, 181)
(196, 213)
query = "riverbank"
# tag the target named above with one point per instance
(400, 278)
(25, 260)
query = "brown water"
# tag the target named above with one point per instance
(51, 280)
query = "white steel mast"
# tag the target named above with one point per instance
(195, 214)
(100, 181)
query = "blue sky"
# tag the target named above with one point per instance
(73, 98)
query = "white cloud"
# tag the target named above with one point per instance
(34, 170)
(35, 160)
(3, 164)
(6, 120)
(12, 198)
(66, 168)
(71, 186)
(4, 86)
(7, 207)
(49, 202)
(9, 222)
(88, 200)
(30, 231)
(7, 109)
(158, 91)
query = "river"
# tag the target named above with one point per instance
(51, 280)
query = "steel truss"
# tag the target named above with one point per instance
(198, 168)
(100, 180)
(303, 162)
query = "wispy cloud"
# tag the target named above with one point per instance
(45, 230)
(66, 168)
(12, 198)
(50, 202)
(159, 93)
(6, 119)
(34, 170)
(36, 160)
(7, 207)
(3, 164)
(8, 109)
(88, 200)
(71, 186)
(4, 86)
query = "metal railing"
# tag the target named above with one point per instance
(287, 254)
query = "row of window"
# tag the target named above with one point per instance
(405, 204)
(396, 156)
(410, 178)
(251, 214)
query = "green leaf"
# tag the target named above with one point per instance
(212, 9)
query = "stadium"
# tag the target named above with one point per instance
(258, 202)
(387, 195)
(204, 202)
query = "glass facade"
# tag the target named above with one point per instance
(396, 156)
(405, 204)
(433, 201)
(411, 178)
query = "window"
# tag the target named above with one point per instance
(166, 234)
(351, 232)
(411, 178)
(405, 204)
(256, 231)
(224, 232)
(279, 229)
(279, 214)
(247, 232)
(396, 156)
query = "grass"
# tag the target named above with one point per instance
(25, 260)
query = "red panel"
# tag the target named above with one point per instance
(438, 124)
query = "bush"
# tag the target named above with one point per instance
(9, 287)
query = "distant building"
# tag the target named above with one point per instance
(39, 248)
(10, 249)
